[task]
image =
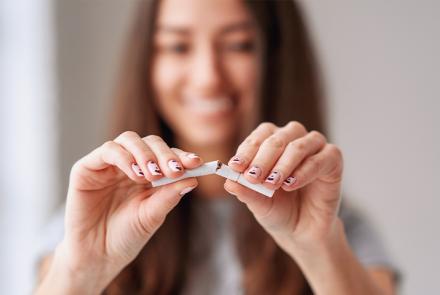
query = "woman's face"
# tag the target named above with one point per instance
(205, 68)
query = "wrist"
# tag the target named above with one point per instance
(65, 277)
(310, 243)
(328, 244)
(330, 266)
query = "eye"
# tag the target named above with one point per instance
(241, 46)
(178, 48)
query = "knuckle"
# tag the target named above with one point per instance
(296, 125)
(147, 154)
(318, 136)
(170, 203)
(251, 142)
(128, 134)
(178, 152)
(292, 123)
(336, 153)
(152, 220)
(269, 126)
(275, 141)
(115, 152)
(334, 150)
(284, 168)
(76, 167)
(109, 145)
(142, 226)
(298, 145)
(153, 138)
(316, 164)
(76, 164)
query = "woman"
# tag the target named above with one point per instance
(199, 79)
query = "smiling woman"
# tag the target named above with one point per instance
(205, 67)
(216, 80)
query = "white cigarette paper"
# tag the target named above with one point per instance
(205, 169)
(216, 167)
(228, 173)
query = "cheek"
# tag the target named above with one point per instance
(166, 81)
(165, 77)
(243, 73)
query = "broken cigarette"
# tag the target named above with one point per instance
(216, 167)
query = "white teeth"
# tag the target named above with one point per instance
(210, 106)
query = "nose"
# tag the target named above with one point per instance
(205, 72)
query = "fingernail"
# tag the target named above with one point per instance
(254, 172)
(273, 178)
(186, 190)
(193, 156)
(137, 169)
(236, 160)
(153, 168)
(290, 181)
(174, 165)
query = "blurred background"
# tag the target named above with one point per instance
(380, 60)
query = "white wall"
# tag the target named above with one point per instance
(382, 64)
(90, 37)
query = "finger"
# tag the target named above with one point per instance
(189, 160)
(257, 205)
(110, 154)
(168, 161)
(269, 152)
(146, 162)
(325, 165)
(294, 153)
(249, 147)
(154, 209)
(272, 213)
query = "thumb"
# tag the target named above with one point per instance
(154, 209)
(259, 205)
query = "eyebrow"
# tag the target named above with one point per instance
(181, 30)
(239, 26)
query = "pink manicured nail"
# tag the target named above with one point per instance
(193, 156)
(254, 172)
(174, 165)
(273, 178)
(290, 181)
(186, 190)
(236, 160)
(153, 168)
(137, 169)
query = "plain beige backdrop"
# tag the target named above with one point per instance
(381, 67)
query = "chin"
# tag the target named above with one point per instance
(210, 137)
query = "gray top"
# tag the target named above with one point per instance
(215, 267)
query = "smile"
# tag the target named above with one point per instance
(209, 106)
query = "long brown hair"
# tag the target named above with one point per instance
(293, 94)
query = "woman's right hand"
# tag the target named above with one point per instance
(112, 210)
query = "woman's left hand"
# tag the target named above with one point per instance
(307, 173)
